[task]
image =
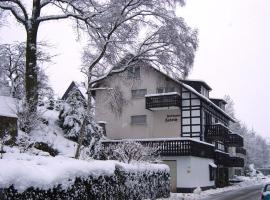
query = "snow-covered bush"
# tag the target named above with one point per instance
(128, 151)
(93, 136)
(72, 113)
(78, 180)
(27, 118)
(4, 137)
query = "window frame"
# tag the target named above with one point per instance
(212, 173)
(134, 72)
(132, 122)
(136, 96)
(166, 89)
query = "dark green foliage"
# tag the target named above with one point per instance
(72, 114)
(45, 147)
(121, 185)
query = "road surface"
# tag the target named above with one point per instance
(248, 193)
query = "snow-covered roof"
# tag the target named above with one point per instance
(161, 94)
(77, 87)
(198, 81)
(212, 164)
(207, 100)
(8, 107)
(181, 82)
(196, 93)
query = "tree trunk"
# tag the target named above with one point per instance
(85, 122)
(81, 137)
(31, 70)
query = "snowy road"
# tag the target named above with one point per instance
(248, 193)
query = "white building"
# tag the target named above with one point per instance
(191, 129)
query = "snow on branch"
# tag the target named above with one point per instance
(15, 12)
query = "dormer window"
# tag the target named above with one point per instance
(133, 72)
(222, 105)
(204, 92)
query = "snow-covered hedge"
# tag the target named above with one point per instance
(66, 178)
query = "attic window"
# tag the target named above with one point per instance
(204, 92)
(133, 72)
(165, 89)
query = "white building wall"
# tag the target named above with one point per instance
(192, 171)
(119, 126)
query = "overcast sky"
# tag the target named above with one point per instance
(233, 55)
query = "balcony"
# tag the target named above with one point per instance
(173, 147)
(161, 101)
(241, 150)
(235, 140)
(216, 132)
(222, 158)
(236, 162)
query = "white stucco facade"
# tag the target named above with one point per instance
(119, 126)
(192, 171)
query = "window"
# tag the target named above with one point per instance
(138, 120)
(222, 106)
(165, 89)
(133, 72)
(219, 145)
(212, 172)
(204, 92)
(267, 188)
(140, 93)
(238, 172)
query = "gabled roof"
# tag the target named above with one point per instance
(208, 101)
(191, 89)
(202, 97)
(200, 82)
(8, 107)
(218, 100)
(71, 87)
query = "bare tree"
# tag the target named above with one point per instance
(125, 33)
(12, 66)
(30, 14)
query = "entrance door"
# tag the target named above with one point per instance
(173, 172)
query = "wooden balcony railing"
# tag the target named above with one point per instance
(235, 140)
(221, 158)
(174, 147)
(163, 100)
(216, 132)
(241, 150)
(236, 162)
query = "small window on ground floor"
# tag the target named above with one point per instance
(212, 172)
(138, 120)
(238, 172)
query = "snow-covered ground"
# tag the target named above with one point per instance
(198, 194)
(24, 166)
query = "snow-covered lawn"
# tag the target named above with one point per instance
(247, 181)
(24, 166)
